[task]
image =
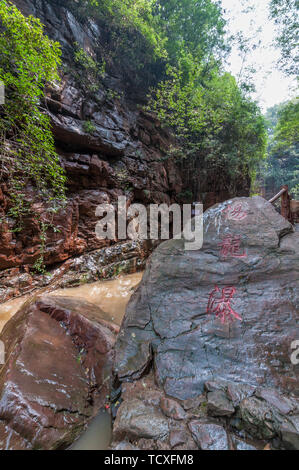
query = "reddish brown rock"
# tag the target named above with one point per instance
(209, 436)
(24, 248)
(56, 376)
(105, 263)
(172, 409)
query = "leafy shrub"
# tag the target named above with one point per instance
(285, 14)
(91, 72)
(282, 165)
(89, 127)
(28, 60)
(211, 118)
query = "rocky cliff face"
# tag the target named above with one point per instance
(107, 146)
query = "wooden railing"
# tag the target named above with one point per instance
(285, 203)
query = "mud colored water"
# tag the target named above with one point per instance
(97, 436)
(111, 296)
(8, 309)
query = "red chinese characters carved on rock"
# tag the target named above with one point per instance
(230, 246)
(236, 212)
(220, 304)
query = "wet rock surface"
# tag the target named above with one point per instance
(254, 424)
(137, 420)
(209, 436)
(142, 402)
(59, 354)
(224, 312)
(216, 326)
(219, 405)
(106, 263)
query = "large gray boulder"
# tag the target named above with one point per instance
(229, 310)
(222, 320)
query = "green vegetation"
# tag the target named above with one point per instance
(191, 28)
(282, 164)
(90, 71)
(287, 129)
(28, 60)
(174, 47)
(212, 119)
(89, 127)
(286, 16)
(169, 49)
(131, 38)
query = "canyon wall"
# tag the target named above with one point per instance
(108, 147)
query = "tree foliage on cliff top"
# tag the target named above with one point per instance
(282, 164)
(190, 93)
(143, 36)
(180, 42)
(212, 118)
(286, 17)
(287, 129)
(166, 25)
(28, 60)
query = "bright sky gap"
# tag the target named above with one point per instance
(251, 17)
